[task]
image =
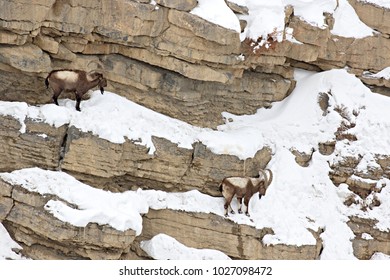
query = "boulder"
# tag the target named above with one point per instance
(27, 58)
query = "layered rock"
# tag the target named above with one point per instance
(42, 236)
(166, 58)
(374, 16)
(155, 55)
(172, 61)
(369, 239)
(119, 167)
(40, 145)
(211, 231)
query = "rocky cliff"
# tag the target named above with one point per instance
(165, 58)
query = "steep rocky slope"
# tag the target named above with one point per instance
(166, 58)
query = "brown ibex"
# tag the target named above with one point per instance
(244, 187)
(76, 81)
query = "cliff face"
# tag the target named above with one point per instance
(176, 63)
(166, 58)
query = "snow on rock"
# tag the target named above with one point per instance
(348, 24)
(381, 3)
(298, 199)
(164, 247)
(217, 12)
(122, 211)
(312, 11)
(380, 257)
(7, 246)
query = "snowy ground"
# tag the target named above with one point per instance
(267, 17)
(298, 198)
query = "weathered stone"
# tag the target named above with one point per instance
(302, 158)
(39, 146)
(194, 49)
(344, 169)
(374, 16)
(129, 165)
(168, 40)
(384, 162)
(353, 52)
(182, 5)
(28, 58)
(36, 200)
(24, 15)
(191, 100)
(178, 64)
(360, 186)
(309, 34)
(327, 148)
(5, 188)
(214, 232)
(192, 71)
(203, 28)
(129, 18)
(237, 8)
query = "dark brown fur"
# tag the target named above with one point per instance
(85, 81)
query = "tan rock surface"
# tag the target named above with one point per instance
(42, 236)
(39, 146)
(374, 16)
(210, 231)
(368, 240)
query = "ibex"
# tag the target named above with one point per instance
(77, 81)
(244, 187)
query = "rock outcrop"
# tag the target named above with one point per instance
(39, 146)
(45, 237)
(164, 57)
(168, 59)
(119, 167)
(42, 236)
(369, 239)
(210, 231)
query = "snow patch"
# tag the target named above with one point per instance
(164, 247)
(217, 12)
(299, 198)
(381, 3)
